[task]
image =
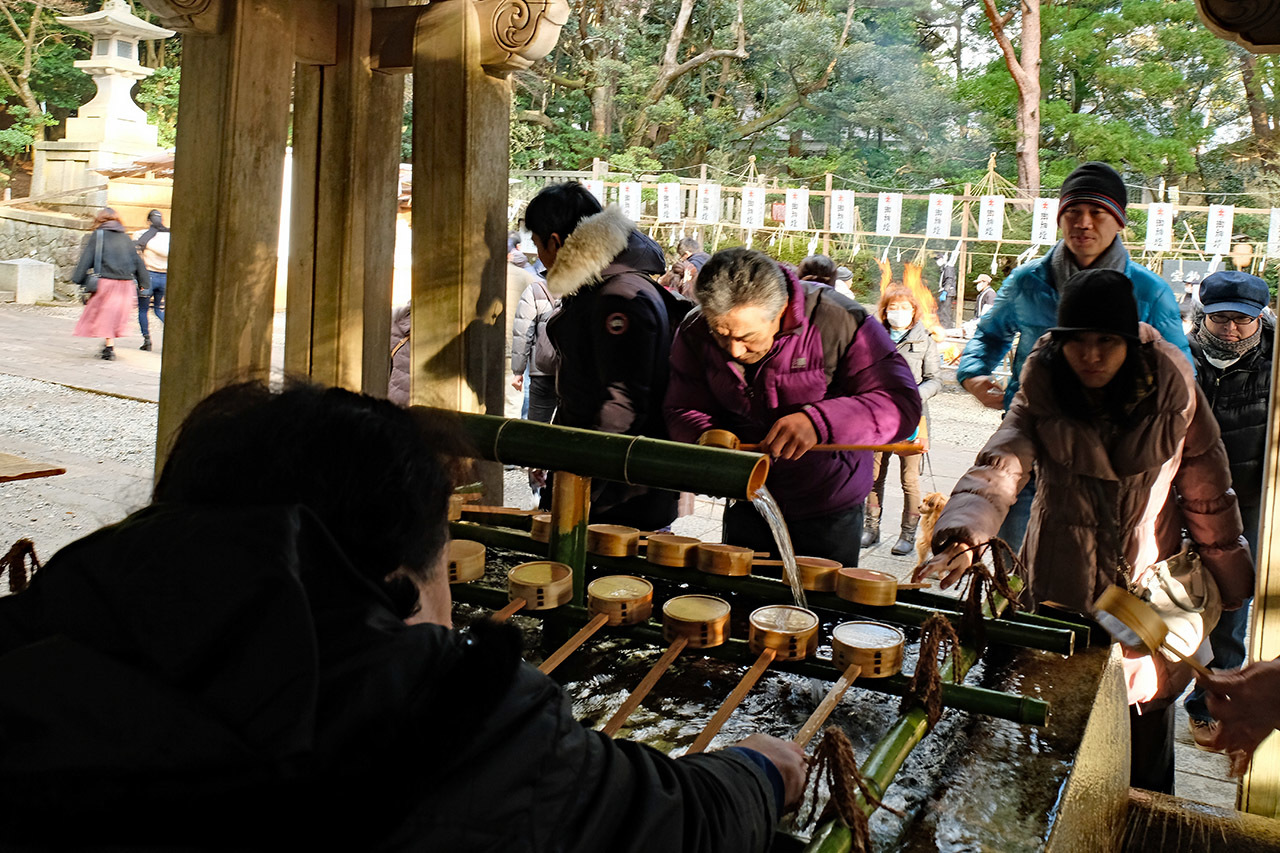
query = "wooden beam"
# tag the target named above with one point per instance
(346, 139)
(460, 154)
(1260, 788)
(391, 38)
(228, 179)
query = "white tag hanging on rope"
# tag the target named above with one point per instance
(889, 214)
(857, 247)
(773, 238)
(939, 222)
(813, 244)
(1044, 220)
(709, 203)
(1159, 227)
(1273, 234)
(955, 253)
(750, 238)
(669, 202)
(991, 218)
(1218, 240)
(995, 256)
(1214, 265)
(797, 210)
(1025, 256)
(752, 208)
(596, 188)
(630, 200)
(898, 255)
(884, 256)
(842, 211)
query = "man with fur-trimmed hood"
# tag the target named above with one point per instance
(612, 334)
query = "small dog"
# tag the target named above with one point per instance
(930, 508)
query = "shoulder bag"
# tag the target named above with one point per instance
(90, 285)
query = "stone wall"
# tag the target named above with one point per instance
(54, 238)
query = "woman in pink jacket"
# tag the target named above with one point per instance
(1128, 460)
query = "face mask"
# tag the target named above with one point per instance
(899, 319)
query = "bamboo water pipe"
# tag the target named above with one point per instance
(671, 465)
(698, 621)
(780, 631)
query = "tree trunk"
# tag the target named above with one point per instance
(1264, 133)
(1025, 70)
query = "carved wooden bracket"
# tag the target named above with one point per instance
(1252, 23)
(519, 32)
(189, 17)
(516, 33)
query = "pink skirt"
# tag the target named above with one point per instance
(108, 313)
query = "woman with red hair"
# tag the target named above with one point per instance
(899, 310)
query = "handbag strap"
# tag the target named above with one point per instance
(97, 256)
(1109, 523)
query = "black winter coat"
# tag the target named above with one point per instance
(1239, 395)
(225, 678)
(120, 258)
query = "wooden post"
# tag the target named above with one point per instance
(962, 261)
(826, 219)
(1260, 787)
(460, 141)
(342, 225)
(228, 181)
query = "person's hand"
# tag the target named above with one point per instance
(517, 382)
(987, 390)
(790, 437)
(950, 565)
(790, 760)
(1246, 704)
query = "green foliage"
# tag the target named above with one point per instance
(16, 139)
(158, 96)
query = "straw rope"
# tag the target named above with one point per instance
(15, 563)
(925, 687)
(834, 762)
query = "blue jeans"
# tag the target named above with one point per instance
(1227, 637)
(837, 536)
(153, 299)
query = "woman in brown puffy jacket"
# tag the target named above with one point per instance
(1128, 459)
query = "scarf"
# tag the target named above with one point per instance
(1063, 264)
(1225, 353)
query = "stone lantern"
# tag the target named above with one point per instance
(110, 130)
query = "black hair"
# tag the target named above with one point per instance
(1131, 385)
(559, 208)
(819, 268)
(377, 475)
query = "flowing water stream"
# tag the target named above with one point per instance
(769, 511)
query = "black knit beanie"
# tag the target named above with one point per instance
(1098, 300)
(1095, 183)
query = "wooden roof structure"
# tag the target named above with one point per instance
(327, 75)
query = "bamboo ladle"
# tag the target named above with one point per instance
(696, 621)
(777, 631)
(539, 585)
(1148, 628)
(615, 600)
(860, 649)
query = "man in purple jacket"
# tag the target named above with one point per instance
(790, 364)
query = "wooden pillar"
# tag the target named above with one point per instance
(461, 117)
(226, 203)
(1260, 788)
(346, 154)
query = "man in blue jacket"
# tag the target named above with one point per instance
(1091, 215)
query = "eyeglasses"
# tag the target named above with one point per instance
(1224, 318)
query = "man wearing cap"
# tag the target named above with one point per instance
(1233, 343)
(1091, 215)
(986, 296)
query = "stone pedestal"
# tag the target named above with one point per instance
(30, 281)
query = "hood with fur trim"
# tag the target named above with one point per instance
(601, 242)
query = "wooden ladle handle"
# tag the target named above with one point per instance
(646, 684)
(573, 643)
(735, 699)
(827, 705)
(505, 613)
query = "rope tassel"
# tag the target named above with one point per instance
(834, 762)
(15, 563)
